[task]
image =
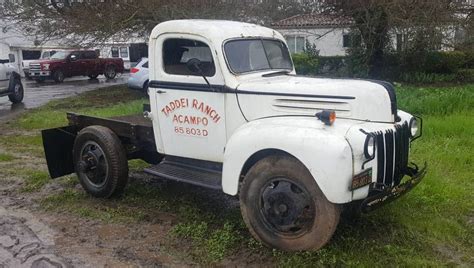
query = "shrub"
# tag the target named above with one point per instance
(333, 66)
(465, 76)
(305, 64)
(444, 62)
(469, 59)
(428, 78)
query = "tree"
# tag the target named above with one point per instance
(95, 21)
(420, 24)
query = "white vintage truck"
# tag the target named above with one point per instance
(228, 112)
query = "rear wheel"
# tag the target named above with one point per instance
(17, 93)
(100, 162)
(283, 206)
(58, 76)
(93, 76)
(110, 72)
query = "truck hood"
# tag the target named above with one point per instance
(293, 95)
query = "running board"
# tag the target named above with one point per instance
(183, 172)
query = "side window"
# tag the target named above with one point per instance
(145, 65)
(89, 55)
(115, 52)
(177, 52)
(123, 52)
(11, 58)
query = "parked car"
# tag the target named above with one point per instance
(75, 63)
(139, 76)
(25, 64)
(10, 81)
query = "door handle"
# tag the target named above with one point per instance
(159, 91)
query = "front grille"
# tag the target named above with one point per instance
(35, 67)
(392, 149)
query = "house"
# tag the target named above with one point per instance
(331, 34)
(25, 47)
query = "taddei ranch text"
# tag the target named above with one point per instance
(187, 119)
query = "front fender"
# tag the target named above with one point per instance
(322, 149)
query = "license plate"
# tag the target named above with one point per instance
(362, 179)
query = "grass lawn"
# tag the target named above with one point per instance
(431, 226)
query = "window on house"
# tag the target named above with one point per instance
(177, 53)
(351, 40)
(296, 44)
(123, 52)
(115, 52)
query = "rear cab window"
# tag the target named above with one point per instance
(177, 52)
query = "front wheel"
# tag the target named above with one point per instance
(110, 72)
(100, 162)
(283, 206)
(18, 92)
(58, 76)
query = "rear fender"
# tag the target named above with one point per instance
(58, 144)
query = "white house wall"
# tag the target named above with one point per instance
(328, 41)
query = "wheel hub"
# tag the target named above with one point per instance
(287, 208)
(93, 164)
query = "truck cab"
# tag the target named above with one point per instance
(228, 111)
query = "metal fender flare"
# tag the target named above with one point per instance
(327, 156)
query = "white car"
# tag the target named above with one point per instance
(228, 112)
(139, 76)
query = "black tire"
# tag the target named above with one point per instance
(100, 146)
(93, 76)
(284, 208)
(145, 87)
(58, 76)
(110, 72)
(17, 92)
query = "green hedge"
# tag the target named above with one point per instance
(465, 76)
(445, 62)
(305, 64)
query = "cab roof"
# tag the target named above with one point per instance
(216, 31)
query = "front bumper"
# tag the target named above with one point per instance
(382, 197)
(39, 73)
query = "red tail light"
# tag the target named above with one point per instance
(134, 70)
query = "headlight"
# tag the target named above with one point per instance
(369, 147)
(45, 67)
(414, 127)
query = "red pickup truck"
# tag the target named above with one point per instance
(75, 63)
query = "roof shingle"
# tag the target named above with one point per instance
(314, 20)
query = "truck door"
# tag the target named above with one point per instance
(74, 65)
(4, 80)
(191, 115)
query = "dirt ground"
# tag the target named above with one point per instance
(31, 236)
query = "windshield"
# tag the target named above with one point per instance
(249, 55)
(60, 55)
